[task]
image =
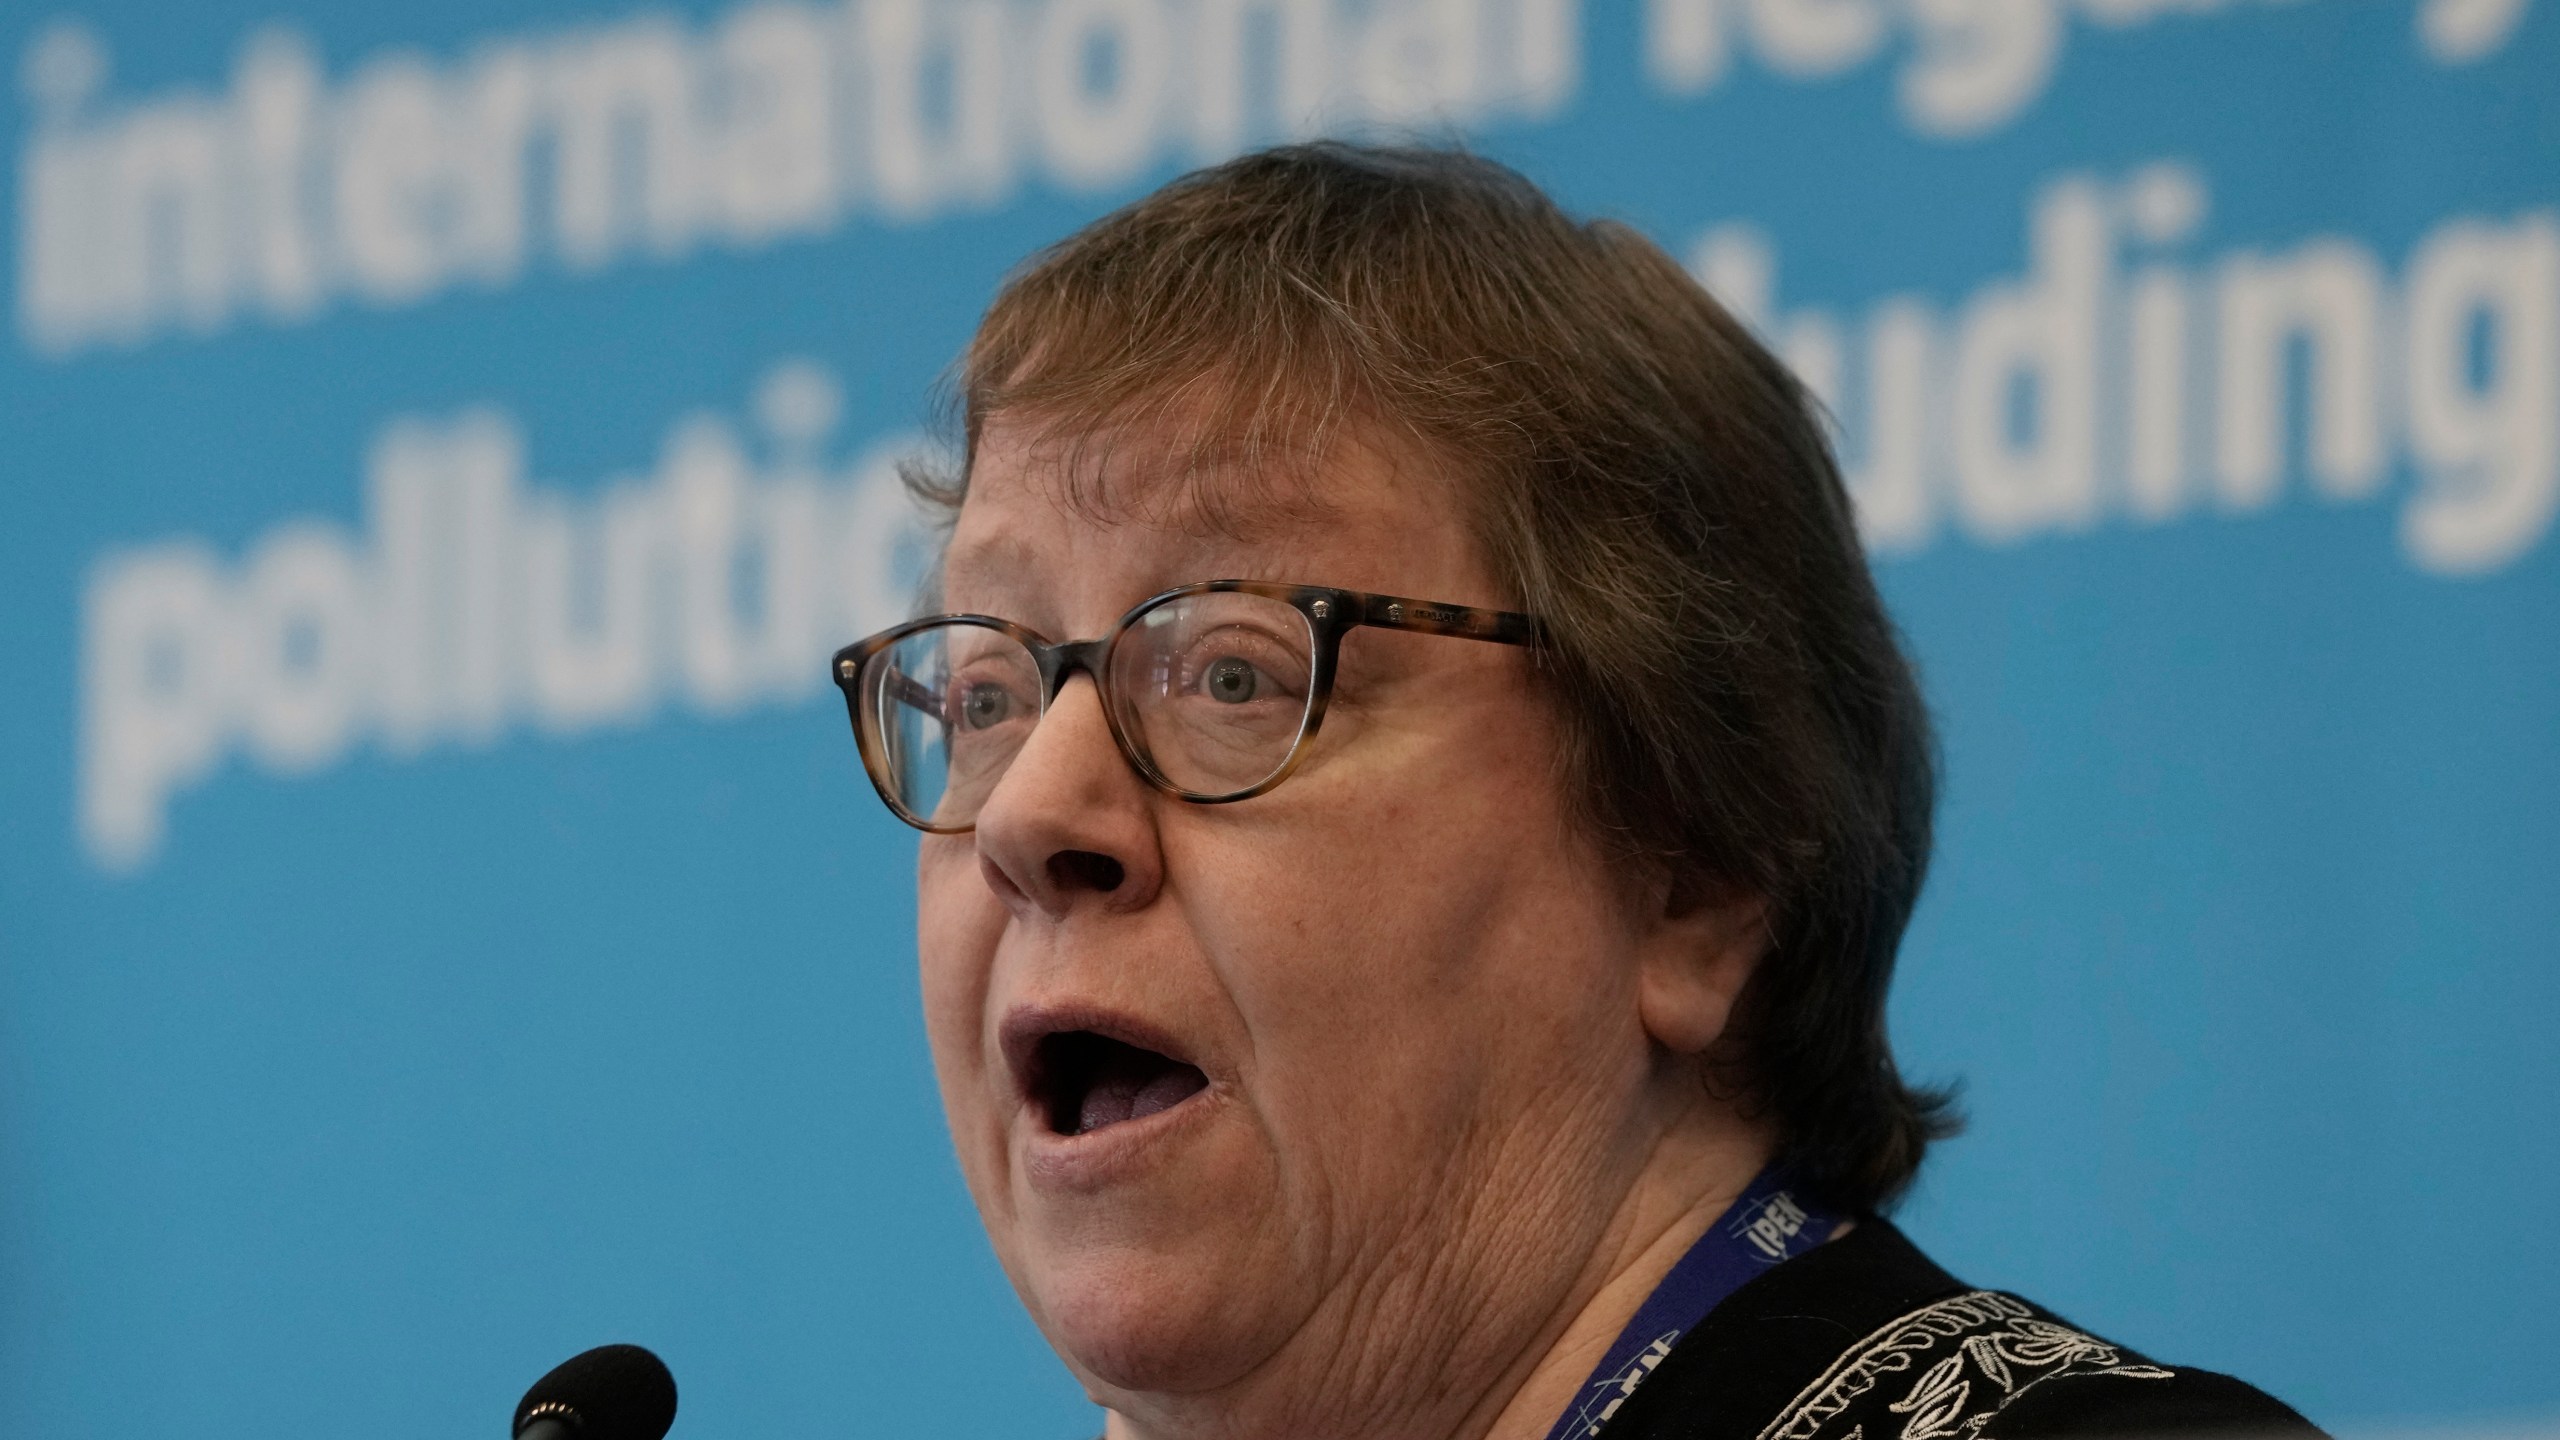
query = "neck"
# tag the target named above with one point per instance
(1694, 1178)
(1696, 1168)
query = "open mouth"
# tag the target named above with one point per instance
(1085, 1082)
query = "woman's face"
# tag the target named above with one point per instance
(1294, 1104)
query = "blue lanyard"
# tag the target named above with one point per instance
(1767, 1225)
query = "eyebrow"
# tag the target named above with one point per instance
(1008, 564)
(1003, 552)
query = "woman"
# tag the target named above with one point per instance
(1516, 1068)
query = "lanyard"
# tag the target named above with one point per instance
(1767, 1225)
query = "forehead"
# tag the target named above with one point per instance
(1090, 520)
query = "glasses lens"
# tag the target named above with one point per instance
(951, 705)
(1213, 688)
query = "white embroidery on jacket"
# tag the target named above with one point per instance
(1995, 1350)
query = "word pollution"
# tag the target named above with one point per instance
(473, 604)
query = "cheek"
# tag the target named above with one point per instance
(958, 924)
(1449, 959)
(1466, 869)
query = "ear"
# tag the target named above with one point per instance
(1698, 954)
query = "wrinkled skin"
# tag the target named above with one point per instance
(1455, 1125)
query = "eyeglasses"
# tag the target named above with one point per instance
(1212, 691)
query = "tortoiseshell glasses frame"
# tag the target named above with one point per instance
(870, 675)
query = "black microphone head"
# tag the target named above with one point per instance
(613, 1392)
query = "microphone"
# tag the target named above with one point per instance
(613, 1392)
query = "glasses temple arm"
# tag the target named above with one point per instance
(1501, 627)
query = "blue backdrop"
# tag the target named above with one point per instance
(442, 921)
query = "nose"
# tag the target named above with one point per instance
(1070, 825)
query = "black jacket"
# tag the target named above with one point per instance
(1866, 1339)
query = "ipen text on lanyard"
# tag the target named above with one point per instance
(1766, 1226)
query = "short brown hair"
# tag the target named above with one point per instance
(1650, 481)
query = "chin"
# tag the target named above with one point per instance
(1140, 1322)
(1153, 1251)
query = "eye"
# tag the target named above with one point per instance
(1231, 680)
(1233, 667)
(984, 706)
